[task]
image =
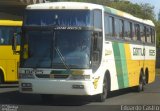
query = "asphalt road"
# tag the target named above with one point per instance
(12, 100)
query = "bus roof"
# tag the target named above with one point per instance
(90, 6)
(127, 15)
(10, 23)
(65, 5)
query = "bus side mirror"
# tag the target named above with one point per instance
(14, 43)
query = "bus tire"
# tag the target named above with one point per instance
(102, 97)
(142, 80)
(147, 75)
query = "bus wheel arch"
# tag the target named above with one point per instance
(1, 76)
(105, 88)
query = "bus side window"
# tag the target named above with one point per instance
(148, 34)
(98, 19)
(111, 26)
(110, 29)
(137, 32)
(106, 26)
(134, 33)
(4, 35)
(116, 23)
(131, 30)
(127, 30)
(1, 37)
(119, 28)
(153, 35)
(142, 33)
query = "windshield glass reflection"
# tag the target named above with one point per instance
(58, 18)
(44, 49)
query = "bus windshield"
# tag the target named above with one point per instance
(45, 49)
(58, 18)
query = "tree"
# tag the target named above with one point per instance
(147, 11)
(158, 33)
(144, 11)
(102, 2)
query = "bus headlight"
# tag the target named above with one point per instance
(26, 76)
(79, 77)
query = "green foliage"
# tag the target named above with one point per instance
(158, 33)
(102, 2)
(144, 11)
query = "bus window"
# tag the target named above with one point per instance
(137, 31)
(119, 28)
(6, 34)
(134, 33)
(116, 27)
(97, 19)
(153, 35)
(127, 30)
(131, 30)
(106, 26)
(111, 26)
(148, 35)
(142, 34)
(1, 38)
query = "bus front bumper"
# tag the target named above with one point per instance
(58, 87)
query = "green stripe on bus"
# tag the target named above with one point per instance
(124, 65)
(118, 65)
(121, 66)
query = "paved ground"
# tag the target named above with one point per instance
(11, 98)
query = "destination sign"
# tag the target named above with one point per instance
(68, 28)
(139, 52)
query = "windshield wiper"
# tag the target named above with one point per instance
(62, 58)
(60, 54)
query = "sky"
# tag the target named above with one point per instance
(155, 3)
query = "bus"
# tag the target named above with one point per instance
(8, 61)
(74, 48)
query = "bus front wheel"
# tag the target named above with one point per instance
(102, 97)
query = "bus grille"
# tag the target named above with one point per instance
(56, 76)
